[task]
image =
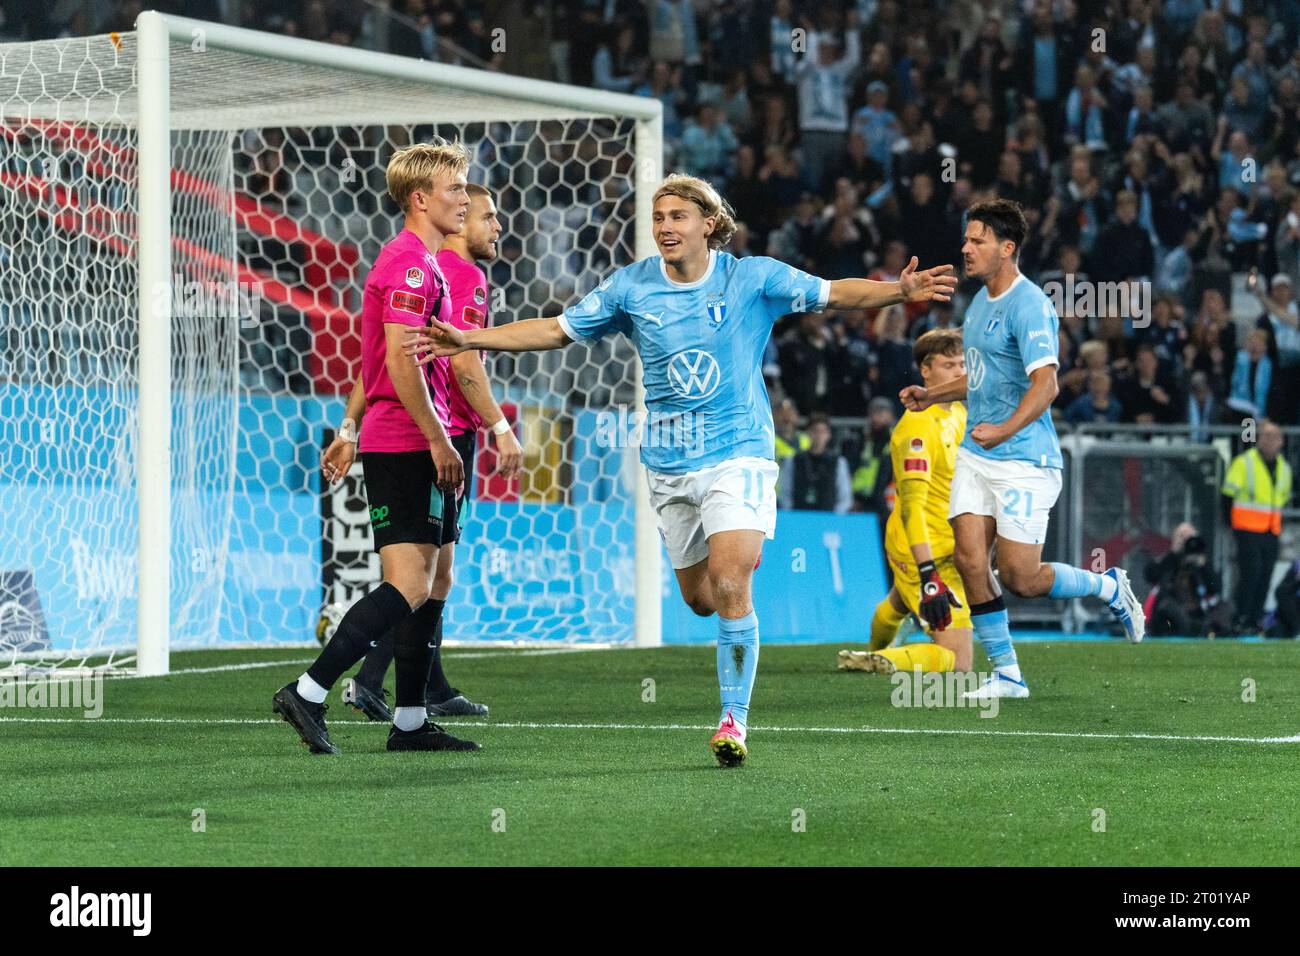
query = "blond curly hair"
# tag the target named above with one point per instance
(711, 205)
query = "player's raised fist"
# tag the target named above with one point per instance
(915, 398)
(438, 340)
(937, 284)
(987, 435)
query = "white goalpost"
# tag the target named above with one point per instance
(187, 213)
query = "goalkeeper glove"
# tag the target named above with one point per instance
(937, 599)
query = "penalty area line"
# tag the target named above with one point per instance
(538, 725)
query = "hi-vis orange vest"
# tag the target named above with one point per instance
(1257, 502)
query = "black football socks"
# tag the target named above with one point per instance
(376, 664)
(438, 689)
(414, 646)
(378, 659)
(361, 630)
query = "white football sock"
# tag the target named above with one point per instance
(410, 718)
(308, 689)
(1109, 589)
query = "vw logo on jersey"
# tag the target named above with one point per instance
(975, 369)
(694, 374)
(716, 306)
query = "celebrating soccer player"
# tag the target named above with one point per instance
(471, 406)
(700, 319)
(1009, 465)
(414, 476)
(918, 538)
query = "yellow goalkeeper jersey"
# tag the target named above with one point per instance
(924, 451)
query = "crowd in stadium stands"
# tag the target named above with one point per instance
(1151, 142)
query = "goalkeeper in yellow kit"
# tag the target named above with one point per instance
(918, 538)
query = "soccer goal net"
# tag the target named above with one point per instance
(187, 214)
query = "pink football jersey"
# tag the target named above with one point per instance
(469, 310)
(405, 286)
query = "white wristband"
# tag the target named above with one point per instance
(501, 427)
(348, 431)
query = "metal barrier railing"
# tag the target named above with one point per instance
(1225, 438)
(1125, 488)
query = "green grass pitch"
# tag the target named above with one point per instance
(825, 784)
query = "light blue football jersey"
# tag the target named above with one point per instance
(1005, 339)
(701, 346)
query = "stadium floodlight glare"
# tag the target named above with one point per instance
(168, 448)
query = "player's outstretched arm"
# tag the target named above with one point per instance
(917, 398)
(936, 284)
(530, 335)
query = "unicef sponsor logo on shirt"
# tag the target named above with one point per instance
(694, 374)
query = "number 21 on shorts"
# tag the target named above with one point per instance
(1012, 501)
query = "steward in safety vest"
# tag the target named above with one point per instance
(1259, 484)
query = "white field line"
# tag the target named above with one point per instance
(530, 725)
(538, 652)
(249, 666)
(258, 665)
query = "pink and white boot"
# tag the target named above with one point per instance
(728, 744)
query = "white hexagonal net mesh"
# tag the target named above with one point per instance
(278, 209)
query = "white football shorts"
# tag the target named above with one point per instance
(1018, 494)
(734, 495)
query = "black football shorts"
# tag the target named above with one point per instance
(406, 505)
